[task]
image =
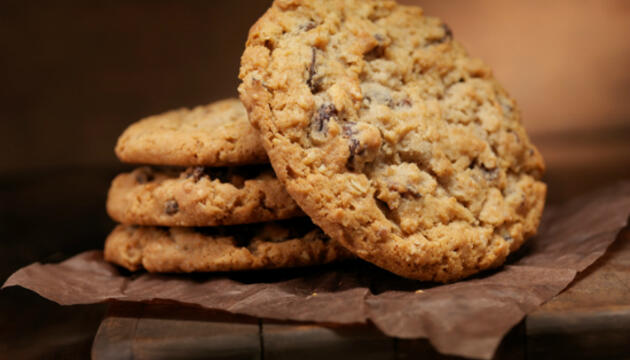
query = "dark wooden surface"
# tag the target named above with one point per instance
(589, 320)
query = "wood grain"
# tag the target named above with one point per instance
(590, 319)
(140, 331)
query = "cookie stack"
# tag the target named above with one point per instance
(378, 124)
(206, 199)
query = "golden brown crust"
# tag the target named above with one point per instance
(217, 134)
(269, 246)
(199, 197)
(390, 137)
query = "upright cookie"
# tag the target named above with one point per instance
(243, 247)
(218, 134)
(199, 196)
(390, 137)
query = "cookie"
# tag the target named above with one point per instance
(199, 196)
(391, 137)
(218, 134)
(242, 247)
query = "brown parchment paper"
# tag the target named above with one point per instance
(467, 318)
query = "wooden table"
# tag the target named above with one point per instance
(50, 215)
(590, 319)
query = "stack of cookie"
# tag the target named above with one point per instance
(206, 199)
(378, 124)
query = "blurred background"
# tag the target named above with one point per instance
(75, 74)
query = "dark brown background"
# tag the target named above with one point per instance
(75, 74)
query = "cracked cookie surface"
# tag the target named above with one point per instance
(199, 196)
(390, 137)
(243, 247)
(217, 134)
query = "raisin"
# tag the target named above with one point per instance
(171, 207)
(313, 84)
(324, 113)
(353, 147)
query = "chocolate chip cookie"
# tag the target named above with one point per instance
(393, 139)
(199, 196)
(218, 134)
(242, 247)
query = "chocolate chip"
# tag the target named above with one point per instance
(144, 175)
(313, 84)
(324, 113)
(196, 173)
(171, 207)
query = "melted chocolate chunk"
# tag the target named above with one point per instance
(324, 113)
(171, 207)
